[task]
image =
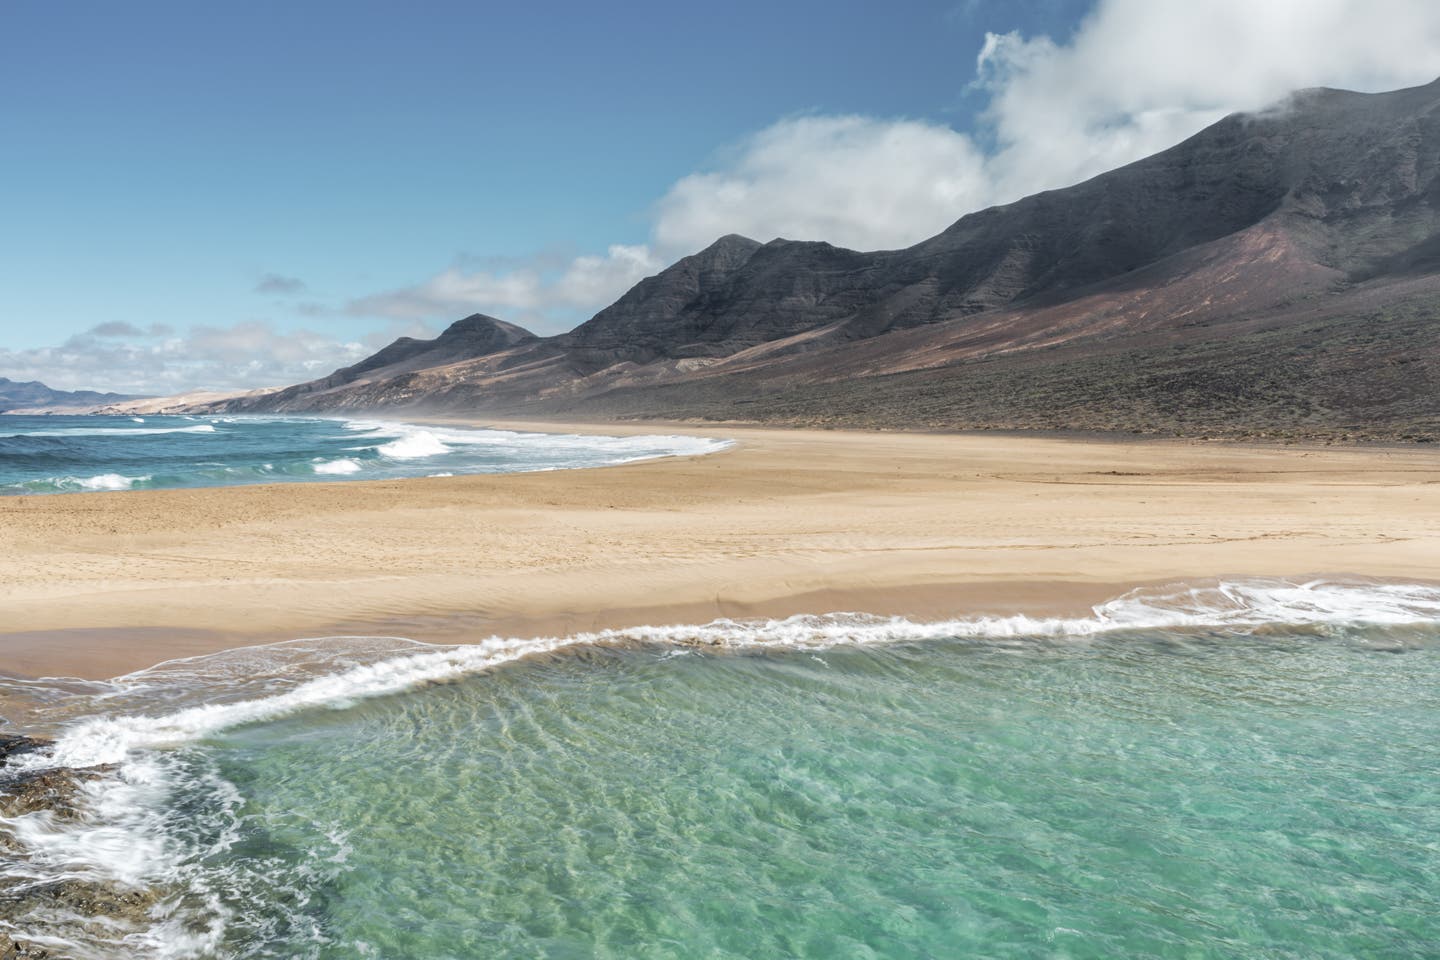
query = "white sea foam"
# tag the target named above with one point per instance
(339, 467)
(620, 448)
(116, 843)
(413, 446)
(73, 484)
(524, 451)
(534, 450)
(109, 481)
(110, 431)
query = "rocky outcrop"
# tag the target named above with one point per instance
(57, 793)
(11, 949)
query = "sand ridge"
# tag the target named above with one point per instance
(786, 521)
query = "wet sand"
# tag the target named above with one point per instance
(926, 525)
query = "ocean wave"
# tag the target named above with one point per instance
(561, 449)
(366, 426)
(413, 446)
(71, 484)
(111, 431)
(341, 467)
(644, 446)
(109, 481)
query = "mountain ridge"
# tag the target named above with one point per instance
(17, 395)
(1321, 208)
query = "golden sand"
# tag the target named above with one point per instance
(784, 522)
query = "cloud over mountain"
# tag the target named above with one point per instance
(525, 293)
(1136, 77)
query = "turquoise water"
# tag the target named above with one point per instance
(815, 788)
(64, 454)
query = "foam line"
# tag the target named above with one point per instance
(1236, 605)
(110, 431)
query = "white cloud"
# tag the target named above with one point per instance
(1141, 75)
(248, 354)
(1138, 76)
(527, 293)
(854, 181)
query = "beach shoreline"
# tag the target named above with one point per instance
(924, 525)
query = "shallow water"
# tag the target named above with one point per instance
(62, 454)
(1138, 784)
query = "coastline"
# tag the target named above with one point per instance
(786, 521)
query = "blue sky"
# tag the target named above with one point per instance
(237, 195)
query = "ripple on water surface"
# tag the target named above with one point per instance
(865, 788)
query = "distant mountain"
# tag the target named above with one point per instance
(1277, 273)
(475, 336)
(15, 395)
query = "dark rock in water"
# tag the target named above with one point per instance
(58, 792)
(107, 905)
(89, 899)
(18, 950)
(54, 789)
(15, 746)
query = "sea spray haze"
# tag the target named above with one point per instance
(60, 454)
(1231, 769)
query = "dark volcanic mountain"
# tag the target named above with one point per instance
(1278, 272)
(475, 336)
(15, 395)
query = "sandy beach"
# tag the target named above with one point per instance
(784, 522)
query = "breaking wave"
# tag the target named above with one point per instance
(109, 431)
(341, 467)
(67, 454)
(413, 446)
(103, 481)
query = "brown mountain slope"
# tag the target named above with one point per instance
(1276, 273)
